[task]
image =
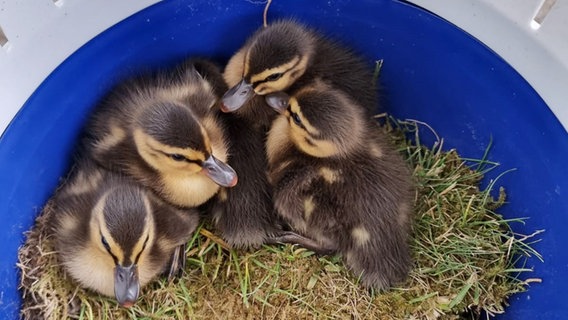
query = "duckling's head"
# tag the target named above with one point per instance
(122, 233)
(172, 141)
(319, 120)
(271, 60)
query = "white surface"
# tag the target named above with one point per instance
(540, 56)
(42, 33)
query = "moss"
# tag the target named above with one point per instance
(465, 255)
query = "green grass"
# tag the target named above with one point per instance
(467, 257)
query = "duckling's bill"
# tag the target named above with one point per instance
(126, 285)
(220, 172)
(278, 101)
(237, 96)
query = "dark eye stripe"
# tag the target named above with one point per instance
(143, 247)
(179, 157)
(296, 119)
(256, 83)
(309, 141)
(107, 247)
(198, 162)
(274, 76)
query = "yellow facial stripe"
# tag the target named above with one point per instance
(279, 69)
(98, 229)
(285, 81)
(296, 108)
(148, 233)
(317, 148)
(149, 146)
(291, 71)
(206, 140)
(216, 137)
(190, 154)
(304, 138)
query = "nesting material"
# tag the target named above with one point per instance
(466, 257)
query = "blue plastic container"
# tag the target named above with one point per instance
(433, 72)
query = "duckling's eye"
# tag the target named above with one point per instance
(105, 243)
(296, 118)
(177, 157)
(273, 77)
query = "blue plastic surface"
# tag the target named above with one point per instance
(433, 72)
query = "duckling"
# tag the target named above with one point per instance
(114, 236)
(163, 130)
(286, 56)
(338, 181)
(244, 214)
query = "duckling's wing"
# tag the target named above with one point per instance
(175, 225)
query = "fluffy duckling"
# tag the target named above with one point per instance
(338, 181)
(244, 214)
(285, 56)
(113, 236)
(163, 130)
